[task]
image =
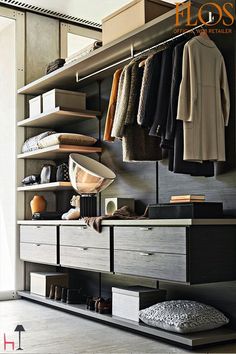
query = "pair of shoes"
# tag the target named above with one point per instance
(55, 292)
(70, 296)
(103, 306)
(90, 302)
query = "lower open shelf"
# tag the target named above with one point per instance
(192, 340)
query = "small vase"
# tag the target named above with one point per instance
(38, 204)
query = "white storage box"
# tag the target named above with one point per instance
(70, 100)
(40, 282)
(35, 106)
(131, 16)
(127, 302)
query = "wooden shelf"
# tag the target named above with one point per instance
(58, 152)
(191, 339)
(57, 117)
(145, 36)
(47, 187)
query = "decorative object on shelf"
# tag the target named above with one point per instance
(32, 179)
(88, 177)
(126, 302)
(66, 139)
(47, 215)
(83, 52)
(43, 284)
(54, 65)
(63, 98)
(35, 106)
(48, 174)
(185, 210)
(62, 174)
(113, 204)
(132, 16)
(73, 213)
(183, 316)
(38, 204)
(31, 144)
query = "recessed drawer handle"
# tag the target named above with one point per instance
(82, 248)
(38, 227)
(145, 228)
(145, 254)
(37, 244)
(82, 227)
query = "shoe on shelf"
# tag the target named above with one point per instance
(63, 294)
(57, 293)
(52, 291)
(73, 296)
(90, 302)
(103, 306)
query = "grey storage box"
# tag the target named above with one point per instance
(35, 106)
(40, 282)
(126, 302)
(70, 100)
(131, 16)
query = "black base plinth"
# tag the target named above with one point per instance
(88, 205)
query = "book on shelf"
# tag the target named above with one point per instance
(176, 201)
(188, 197)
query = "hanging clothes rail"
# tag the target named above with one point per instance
(132, 55)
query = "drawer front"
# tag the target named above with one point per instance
(38, 253)
(153, 239)
(86, 258)
(39, 234)
(84, 236)
(155, 265)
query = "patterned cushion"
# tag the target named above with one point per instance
(183, 316)
(67, 139)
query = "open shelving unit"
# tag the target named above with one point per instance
(47, 187)
(57, 117)
(191, 339)
(58, 152)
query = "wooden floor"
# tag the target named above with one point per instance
(51, 331)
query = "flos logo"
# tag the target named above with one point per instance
(223, 15)
(8, 344)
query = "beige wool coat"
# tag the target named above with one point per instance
(204, 102)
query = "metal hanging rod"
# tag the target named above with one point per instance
(132, 55)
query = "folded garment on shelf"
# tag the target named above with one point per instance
(56, 64)
(31, 144)
(32, 179)
(66, 139)
(85, 51)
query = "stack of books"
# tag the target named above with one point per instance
(189, 198)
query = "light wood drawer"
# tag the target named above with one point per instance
(155, 265)
(38, 253)
(86, 258)
(39, 234)
(153, 239)
(84, 236)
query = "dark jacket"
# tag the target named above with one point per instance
(163, 96)
(149, 89)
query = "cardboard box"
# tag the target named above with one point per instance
(35, 106)
(70, 100)
(40, 282)
(131, 16)
(126, 302)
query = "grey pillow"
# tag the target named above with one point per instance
(183, 316)
(32, 144)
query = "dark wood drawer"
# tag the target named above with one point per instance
(155, 265)
(38, 253)
(86, 258)
(39, 234)
(152, 239)
(84, 236)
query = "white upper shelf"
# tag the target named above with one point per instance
(57, 117)
(149, 34)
